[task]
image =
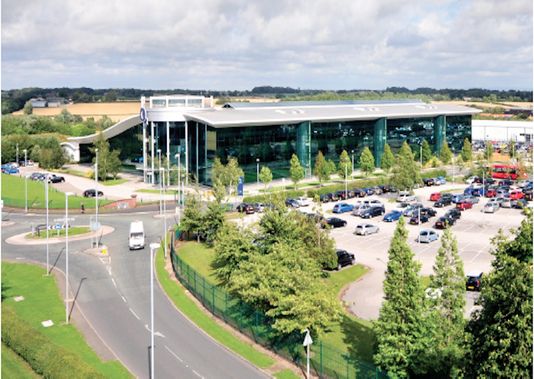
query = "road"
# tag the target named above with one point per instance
(114, 295)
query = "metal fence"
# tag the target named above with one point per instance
(325, 361)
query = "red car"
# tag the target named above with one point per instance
(463, 205)
(516, 195)
(491, 193)
(435, 196)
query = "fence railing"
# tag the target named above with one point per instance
(325, 361)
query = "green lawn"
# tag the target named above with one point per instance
(73, 231)
(156, 191)
(199, 256)
(43, 302)
(337, 280)
(113, 182)
(190, 309)
(286, 374)
(73, 172)
(13, 194)
(13, 366)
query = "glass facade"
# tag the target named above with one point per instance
(458, 129)
(412, 130)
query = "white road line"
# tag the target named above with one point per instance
(174, 354)
(109, 270)
(123, 298)
(197, 374)
(114, 283)
(20, 258)
(135, 315)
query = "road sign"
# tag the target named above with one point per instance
(95, 226)
(58, 227)
(307, 340)
(240, 185)
(142, 115)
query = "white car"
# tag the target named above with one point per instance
(491, 207)
(303, 201)
(405, 197)
(374, 203)
(365, 229)
(470, 180)
(427, 236)
(358, 210)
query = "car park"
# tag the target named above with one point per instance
(342, 208)
(92, 193)
(336, 222)
(405, 197)
(372, 212)
(344, 258)
(394, 215)
(491, 207)
(473, 281)
(366, 229)
(427, 236)
(444, 222)
(435, 196)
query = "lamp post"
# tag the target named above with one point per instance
(346, 183)
(421, 154)
(307, 342)
(177, 157)
(159, 165)
(96, 191)
(162, 172)
(17, 153)
(67, 194)
(47, 225)
(352, 160)
(258, 171)
(153, 246)
(25, 182)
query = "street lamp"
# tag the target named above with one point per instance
(67, 194)
(47, 225)
(25, 182)
(346, 184)
(153, 246)
(421, 154)
(162, 172)
(352, 160)
(159, 165)
(17, 153)
(257, 171)
(96, 192)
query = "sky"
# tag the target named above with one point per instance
(240, 44)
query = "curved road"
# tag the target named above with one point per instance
(114, 296)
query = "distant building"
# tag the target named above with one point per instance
(55, 102)
(502, 130)
(38, 102)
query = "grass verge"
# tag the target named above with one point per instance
(286, 374)
(148, 190)
(113, 182)
(42, 301)
(188, 307)
(73, 231)
(13, 366)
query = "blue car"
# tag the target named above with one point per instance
(392, 216)
(457, 198)
(342, 208)
(9, 169)
(440, 180)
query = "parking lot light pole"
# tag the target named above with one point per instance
(17, 153)
(346, 183)
(47, 226)
(257, 171)
(162, 172)
(159, 166)
(153, 246)
(177, 156)
(352, 160)
(25, 182)
(96, 191)
(421, 154)
(67, 194)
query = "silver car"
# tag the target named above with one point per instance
(472, 199)
(506, 203)
(491, 207)
(405, 197)
(359, 210)
(427, 236)
(366, 229)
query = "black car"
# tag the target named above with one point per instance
(335, 222)
(378, 190)
(428, 212)
(369, 191)
(428, 182)
(342, 195)
(324, 198)
(344, 258)
(474, 281)
(292, 203)
(506, 183)
(453, 213)
(373, 212)
(92, 193)
(444, 201)
(359, 192)
(56, 179)
(444, 222)
(416, 220)
(332, 196)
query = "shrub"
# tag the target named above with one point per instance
(267, 198)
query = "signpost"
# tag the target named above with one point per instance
(307, 342)
(240, 185)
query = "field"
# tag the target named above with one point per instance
(116, 111)
(487, 105)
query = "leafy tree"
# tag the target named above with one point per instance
(400, 328)
(296, 171)
(228, 175)
(109, 162)
(388, 159)
(192, 221)
(448, 309)
(406, 173)
(488, 151)
(512, 151)
(212, 222)
(345, 165)
(322, 168)
(367, 161)
(28, 107)
(426, 151)
(500, 334)
(445, 154)
(467, 151)
(266, 176)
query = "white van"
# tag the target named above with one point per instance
(136, 238)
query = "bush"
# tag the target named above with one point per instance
(267, 198)
(362, 183)
(44, 357)
(433, 173)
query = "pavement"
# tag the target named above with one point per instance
(112, 295)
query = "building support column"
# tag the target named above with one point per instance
(168, 154)
(379, 140)
(304, 146)
(144, 152)
(186, 154)
(152, 179)
(440, 127)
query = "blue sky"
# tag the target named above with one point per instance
(239, 44)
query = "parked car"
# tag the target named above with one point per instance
(474, 281)
(336, 222)
(453, 213)
(516, 195)
(303, 201)
(471, 199)
(9, 169)
(417, 219)
(373, 212)
(378, 190)
(440, 180)
(496, 200)
(435, 196)
(456, 198)
(245, 208)
(360, 192)
(491, 207)
(341, 195)
(344, 258)
(56, 179)
(292, 203)
(405, 197)
(366, 229)
(428, 182)
(392, 216)
(258, 207)
(506, 182)
(490, 192)
(444, 201)
(429, 212)
(359, 209)
(506, 202)
(342, 208)
(333, 196)
(444, 222)
(374, 202)
(92, 193)
(427, 236)
(473, 179)
(519, 204)
(369, 191)
(324, 198)
(37, 176)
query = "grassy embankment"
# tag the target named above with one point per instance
(41, 302)
(13, 366)
(73, 231)
(13, 194)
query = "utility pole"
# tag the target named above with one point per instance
(96, 193)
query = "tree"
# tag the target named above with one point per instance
(426, 151)
(500, 334)
(345, 165)
(322, 168)
(400, 328)
(228, 175)
(109, 162)
(388, 159)
(212, 222)
(266, 176)
(406, 173)
(28, 107)
(512, 152)
(445, 154)
(448, 304)
(488, 151)
(296, 171)
(467, 151)
(367, 161)
(193, 219)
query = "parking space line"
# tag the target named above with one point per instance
(135, 314)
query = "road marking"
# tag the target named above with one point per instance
(109, 270)
(197, 374)
(136, 316)
(174, 354)
(123, 298)
(20, 258)
(115, 284)
(159, 334)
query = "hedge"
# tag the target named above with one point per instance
(360, 183)
(267, 198)
(44, 357)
